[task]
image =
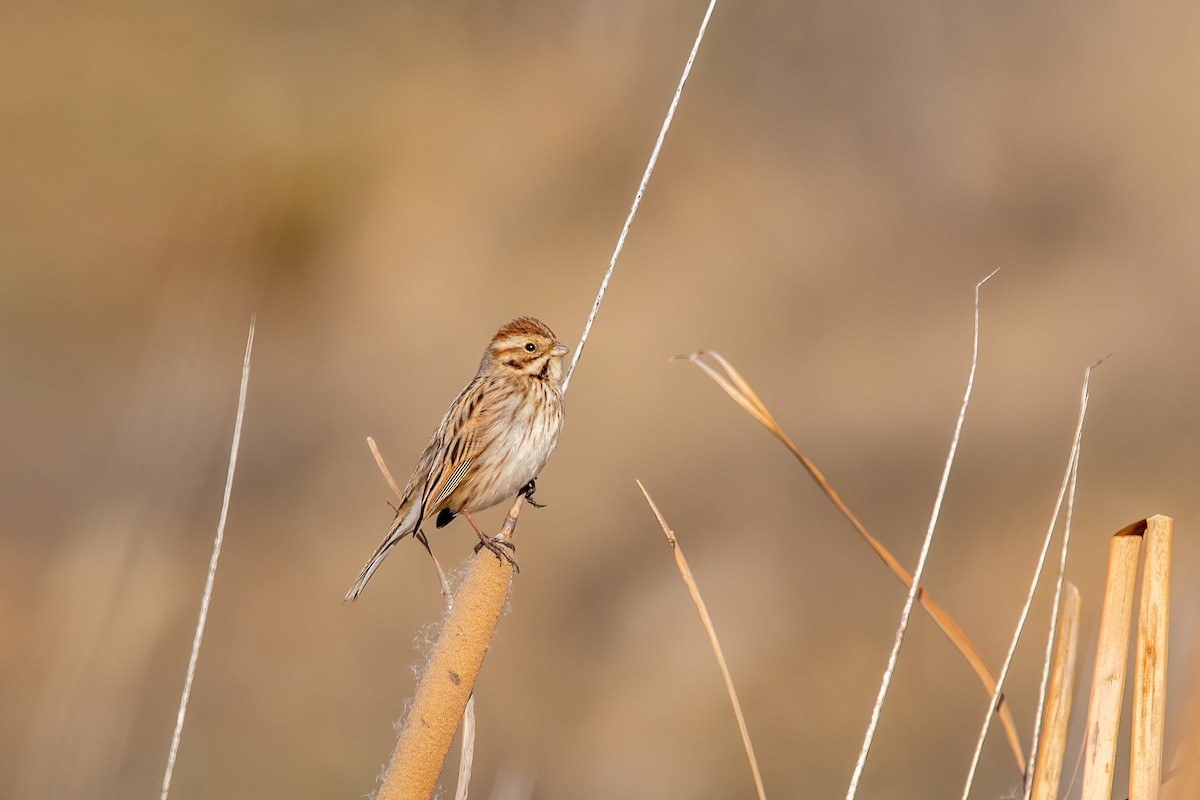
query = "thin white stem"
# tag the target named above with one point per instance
(637, 198)
(1057, 607)
(1067, 483)
(212, 566)
(886, 682)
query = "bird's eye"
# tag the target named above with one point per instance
(529, 347)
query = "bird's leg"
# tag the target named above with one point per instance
(494, 544)
(419, 535)
(527, 490)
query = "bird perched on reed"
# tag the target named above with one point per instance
(491, 444)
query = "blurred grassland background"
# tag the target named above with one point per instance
(387, 183)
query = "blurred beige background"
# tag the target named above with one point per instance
(386, 183)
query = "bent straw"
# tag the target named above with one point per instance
(742, 393)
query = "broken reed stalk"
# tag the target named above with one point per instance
(1048, 772)
(688, 579)
(1108, 680)
(449, 674)
(740, 391)
(1150, 668)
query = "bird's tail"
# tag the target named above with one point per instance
(403, 526)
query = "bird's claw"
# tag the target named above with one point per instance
(527, 491)
(497, 546)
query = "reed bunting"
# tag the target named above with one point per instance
(491, 444)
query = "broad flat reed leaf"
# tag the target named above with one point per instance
(740, 391)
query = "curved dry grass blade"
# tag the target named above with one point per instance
(686, 572)
(748, 401)
(212, 566)
(743, 385)
(740, 391)
(1066, 490)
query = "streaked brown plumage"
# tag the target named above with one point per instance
(494, 439)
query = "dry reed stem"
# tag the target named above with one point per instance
(688, 579)
(1150, 669)
(1058, 592)
(641, 190)
(383, 468)
(206, 598)
(449, 675)
(1048, 773)
(1066, 490)
(740, 391)
(911, 598)
(1108, 680)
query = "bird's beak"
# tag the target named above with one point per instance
(559, 350)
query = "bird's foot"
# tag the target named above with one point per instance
(527, 491)
(499, 547)
(493, 543)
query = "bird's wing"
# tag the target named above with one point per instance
(459, 439)
(455, 478)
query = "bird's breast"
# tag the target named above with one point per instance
(523, 435)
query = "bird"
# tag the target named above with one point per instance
(491, 444)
